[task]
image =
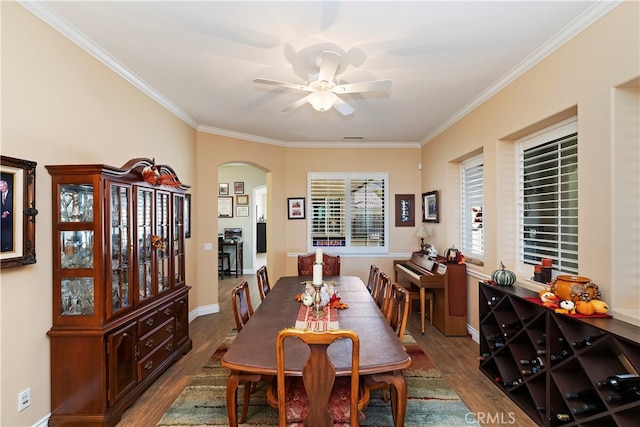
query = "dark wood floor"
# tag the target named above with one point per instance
(455, 357)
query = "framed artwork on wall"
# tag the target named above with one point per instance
(242, 210)
(18, 212)
(238, 187)
(295, 208)
(405, 210)
(225, 207)
(430, 206)
(223, 189)
(242, 199)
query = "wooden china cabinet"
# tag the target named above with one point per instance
(120, 300)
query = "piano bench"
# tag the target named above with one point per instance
(428, 297)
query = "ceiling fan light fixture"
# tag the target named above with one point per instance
(322, 101)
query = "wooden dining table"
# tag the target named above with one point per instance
(253, 352)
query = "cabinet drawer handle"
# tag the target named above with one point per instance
(169, 347)
(149, 321)
(169, 329)
(148, 364)
(149, 342)
(167, 311)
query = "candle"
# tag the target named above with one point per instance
(318, 256)
(317, 274)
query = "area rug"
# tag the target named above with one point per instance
(430, 399)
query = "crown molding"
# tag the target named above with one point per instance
(588, 17)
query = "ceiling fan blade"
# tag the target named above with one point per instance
(342, 107)
(372, 86)
(287, 85)
(295, 105)
(328, 65)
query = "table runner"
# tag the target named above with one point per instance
(306, 320)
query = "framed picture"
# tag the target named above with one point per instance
(295, 207)
(223, 189)
(225, 207)
(18, 212)
(242, 210)
(238, 187)
(187, 216)
(405, 210)
(430, 206)
(242, 199)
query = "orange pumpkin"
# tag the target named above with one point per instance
(585, 307)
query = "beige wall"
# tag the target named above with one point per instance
(578, 78)
(60, 105)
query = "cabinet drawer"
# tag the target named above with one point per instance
(157, 317)
(150, 341)
(155, 359)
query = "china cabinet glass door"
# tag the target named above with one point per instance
(144, 232)
(162, 236)
(178, 240)
(77, 285)
(120, 248)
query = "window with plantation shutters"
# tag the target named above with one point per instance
(347, 212)
(548, 201)
(472, 206)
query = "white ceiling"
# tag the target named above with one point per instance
(199, 59)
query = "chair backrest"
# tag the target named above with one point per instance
(398, 308)
(263, 282)
(318, 374)
(241, 302)
(330, 264)
(382, 296)
(373, 277)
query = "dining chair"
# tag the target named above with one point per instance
(330, 264)
(374, 272)
(397, 315)
(318, 396)
(263, 282)
(382, 294)
(242, 312)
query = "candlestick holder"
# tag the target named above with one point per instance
(317, 311)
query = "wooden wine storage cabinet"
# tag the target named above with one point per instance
(534, 331)
(120, 299)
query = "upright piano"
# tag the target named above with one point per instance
(448, 282)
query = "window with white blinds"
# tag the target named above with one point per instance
(348, 211)
(548, 202)
(472, 206)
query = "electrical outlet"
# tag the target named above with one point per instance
(24, 399)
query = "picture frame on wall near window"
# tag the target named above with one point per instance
(223, 189)
(430, 206)
(242, 211)
(295, 208)
(405, 210)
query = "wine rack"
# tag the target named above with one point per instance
(551, 364)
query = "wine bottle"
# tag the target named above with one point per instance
(541, 352)
(559, 419)
(495, 337)
(543, 339)
(588, 395)
(625, 396)
(533, 361)
(621, 382)
(541, 408)
(587, 341)
(508, 334)
(558, 357)
(493, 300)
(513, 325)
(531, 371)
(585, 409)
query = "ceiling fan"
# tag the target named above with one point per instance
(324, 91)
